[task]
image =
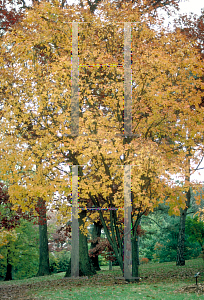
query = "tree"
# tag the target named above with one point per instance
(192, 28)
(20, 256)
(59, 235)
(10, 221)
(85, 265)
(39, 127)
(195, 229)
(44, 267)
(149, 6)
(96, 233)
(9, 15)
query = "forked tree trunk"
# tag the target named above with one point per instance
(85, 265)
(44, 267)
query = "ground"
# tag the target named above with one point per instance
(199, 289)
(158, 281)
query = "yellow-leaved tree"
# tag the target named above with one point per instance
(36, 93)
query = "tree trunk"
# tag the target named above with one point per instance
(8, 268)
(135, 269)
(85, 265)
(203, 252)
(44, 267)
(137, 251)
(180, 260)
(138, 244)
(110, 265)
(96, 233)
(135, 254)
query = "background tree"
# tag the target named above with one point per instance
(195, 229)
(11, 226)
(19, 241)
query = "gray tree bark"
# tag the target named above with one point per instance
(85, 265)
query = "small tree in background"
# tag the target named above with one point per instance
(195, 230)
(16, 235)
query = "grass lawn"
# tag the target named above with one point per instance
(159, 281)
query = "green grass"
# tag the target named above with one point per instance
(32, 280)
(159, 281)
(135, 291)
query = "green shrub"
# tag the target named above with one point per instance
(54, 263)
(102, 260)
(64, 257)
(59, 261)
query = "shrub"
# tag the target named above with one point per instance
(102, 260)
(144, 260)
(59, 261)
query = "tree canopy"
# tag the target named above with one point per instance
(36, 91)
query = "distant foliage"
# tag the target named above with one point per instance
(23, 251)
(195, 231)
(59, 261)
(166, 251)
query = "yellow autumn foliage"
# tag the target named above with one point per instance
(36, 91)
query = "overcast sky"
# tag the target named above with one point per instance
(186, 7)
(194, 6)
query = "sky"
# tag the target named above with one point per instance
(194, 6)
(186, 7)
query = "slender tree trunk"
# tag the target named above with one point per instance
(138, 244)
(44, 267)
(110, 265)
(135, 268)
(8, 268)
(85, 265)
(135, 251)
(96, 233)
(180, 259)
(202, 252)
